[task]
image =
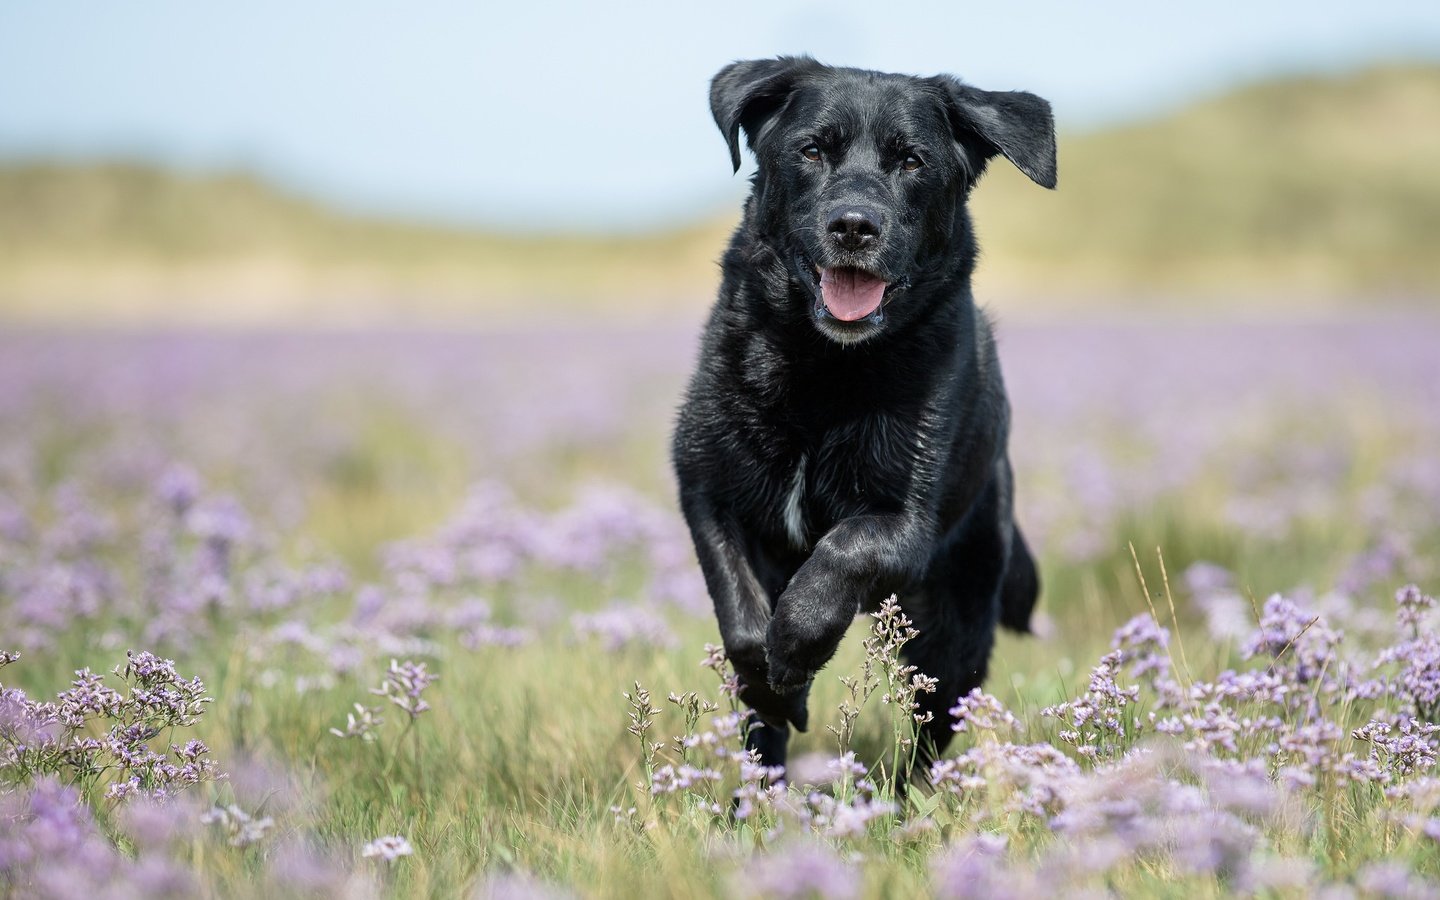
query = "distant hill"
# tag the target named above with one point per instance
(1317, 189)
(1320, 186)
(123, 241)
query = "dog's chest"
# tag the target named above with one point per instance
(792, 509)
(859, 467)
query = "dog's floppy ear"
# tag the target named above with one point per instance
(746, 94)
(1017, 124)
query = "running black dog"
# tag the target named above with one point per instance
(844, 435)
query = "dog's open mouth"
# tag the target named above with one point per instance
(849, 298)
(851, 294)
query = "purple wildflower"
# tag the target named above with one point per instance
(178, 488)
(239, 827)
(623, 626)
(516, 885)
(1099, 718)
(1298, 641)
(403, 685)
(1394, 881)
(1409, 752)
(978, 711)
(798, 871)
(975, 868)
(389, 848)
(1412, 607)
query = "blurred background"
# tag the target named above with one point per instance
(356, 163)
(333, 333)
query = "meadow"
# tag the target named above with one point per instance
(413, 613)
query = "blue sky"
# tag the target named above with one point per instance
(585, 114)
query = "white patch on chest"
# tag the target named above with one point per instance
(795, 506)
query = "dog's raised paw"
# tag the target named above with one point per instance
(786, 679)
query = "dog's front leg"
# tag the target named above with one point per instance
(742, 608)
(858, 561)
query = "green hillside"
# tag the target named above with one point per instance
(1318, 186)
(123, 240)
(1298, 190)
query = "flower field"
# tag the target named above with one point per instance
(393, 615)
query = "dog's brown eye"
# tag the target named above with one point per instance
(911, 163)
(810, 152)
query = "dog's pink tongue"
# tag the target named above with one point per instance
(850, 294)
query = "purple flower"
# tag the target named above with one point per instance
(516, 885)
(1144, 645)
(479, 636)
(178, 488)
(1412, 607)
(975, 868)
(798, 871)
(623, 626)
(978, 711)
(46, 822)
(811, 769)
(1406, 751)
(154, 825)
(1298, 640)
(389, 848)
(1098, 719)
(1418, 681)
(1277, 874)
(305, 870)
(1024, 778)
(1204, 579)
(88, 696)
(239, 827)
(1393, 880)
(403, 685)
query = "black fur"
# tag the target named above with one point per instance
(892, 428)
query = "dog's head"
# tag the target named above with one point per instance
(863, 177)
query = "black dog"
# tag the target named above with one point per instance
(844, 435)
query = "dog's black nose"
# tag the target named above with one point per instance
(854, 227)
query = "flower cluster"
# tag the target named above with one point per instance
(706, 775)
(97, 736)
(1219, 770)
(1403, 751)
(1099, 721)
(403, 685)
(51, 846)
(978, 711)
